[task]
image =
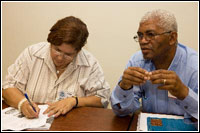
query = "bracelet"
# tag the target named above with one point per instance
(76, 101)
(20, 104)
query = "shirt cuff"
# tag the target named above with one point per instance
(121, 94)
(190, 104)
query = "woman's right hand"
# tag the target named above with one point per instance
(28, 111)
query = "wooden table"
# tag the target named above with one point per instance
(89, 119)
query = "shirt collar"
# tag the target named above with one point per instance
(176, 59)
(42, 51)
(81, 59)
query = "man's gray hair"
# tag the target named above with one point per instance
(167, 20)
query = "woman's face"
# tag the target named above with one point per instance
(63, 55)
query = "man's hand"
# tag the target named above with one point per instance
(60, 107)
(134, 76)
(170, 81)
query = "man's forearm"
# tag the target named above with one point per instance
(12, 96)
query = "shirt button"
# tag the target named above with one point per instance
(124, 96)
(185, 107)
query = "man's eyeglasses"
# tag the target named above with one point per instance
(148, 36)
(59, 53)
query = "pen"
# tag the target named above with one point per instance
(29, 101)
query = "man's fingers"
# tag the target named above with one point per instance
(161, 71)
(137, 72)
(132, 78)
(139, 69)
(161, 75)
(165, 87)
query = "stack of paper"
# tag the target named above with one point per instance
(168, 124)
(12, 119)
(142, 119)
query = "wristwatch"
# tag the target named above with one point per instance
(76, 101)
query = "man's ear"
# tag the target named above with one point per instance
(173, 38)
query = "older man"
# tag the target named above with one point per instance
(164, 73)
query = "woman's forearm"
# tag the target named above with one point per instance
(12, 96)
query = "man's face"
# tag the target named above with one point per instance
(152, 42)
(63, 55)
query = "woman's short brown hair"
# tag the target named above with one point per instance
(69, 30)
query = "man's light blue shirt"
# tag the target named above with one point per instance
(185, 64)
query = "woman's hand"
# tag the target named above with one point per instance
(28, 111)
(60, 107)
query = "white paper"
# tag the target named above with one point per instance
(12, 119)
(170, 95)
(142, 119)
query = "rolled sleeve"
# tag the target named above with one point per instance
(94, 83)
(104, 94)
(18, 73)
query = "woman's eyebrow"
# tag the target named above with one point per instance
(64, 52)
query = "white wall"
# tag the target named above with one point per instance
(111, 26)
